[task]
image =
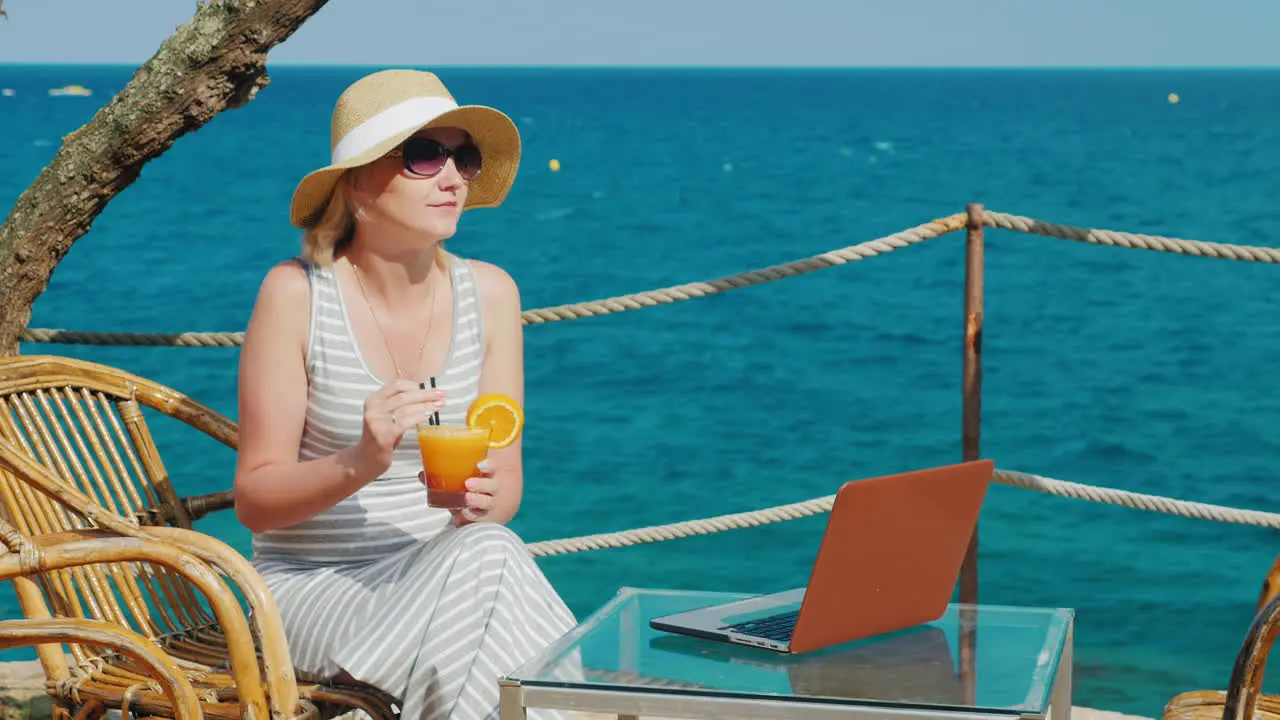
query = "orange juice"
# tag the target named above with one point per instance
(450, 454)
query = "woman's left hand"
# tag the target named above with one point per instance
(481, 492)
(481, 496)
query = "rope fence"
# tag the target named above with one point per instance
(842, 256)
(793, 511)
(1200, 248)
(690, 291)
(606, 306)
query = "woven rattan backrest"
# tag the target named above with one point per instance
(84, 426)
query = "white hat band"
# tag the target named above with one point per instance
(410, 114)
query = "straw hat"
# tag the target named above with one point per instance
(380, 111)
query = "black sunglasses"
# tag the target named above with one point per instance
(425, 157)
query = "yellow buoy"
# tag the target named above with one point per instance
(554, 165)
(1173, 98)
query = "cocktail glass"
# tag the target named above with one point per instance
(450, 455)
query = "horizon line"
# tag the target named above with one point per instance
(673, 66)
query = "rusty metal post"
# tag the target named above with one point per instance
(971, 409)
(971, 433)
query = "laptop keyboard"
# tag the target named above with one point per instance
(773, 627)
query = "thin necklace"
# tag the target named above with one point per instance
(378, 324)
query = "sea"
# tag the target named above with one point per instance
(1122, 368)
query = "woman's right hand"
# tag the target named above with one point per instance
(388, 414)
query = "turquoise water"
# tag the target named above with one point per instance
(1129, 369)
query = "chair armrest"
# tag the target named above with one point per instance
(195, 506)
(1271, 585)
(265, 614)
(200, 505)
(278, 668)
(1251, 663)
(57, 552)
(171, 681)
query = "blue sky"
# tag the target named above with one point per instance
(1176, 33)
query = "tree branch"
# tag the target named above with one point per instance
(215, 62)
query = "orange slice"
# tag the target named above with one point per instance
(501, 414)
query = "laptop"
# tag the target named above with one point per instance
(889, 560)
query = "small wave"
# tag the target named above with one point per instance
(809, 328)
(1108, 450)
(883, 146)
(556, 214)
(905, 337)
(643, 226)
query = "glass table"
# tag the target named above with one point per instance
(976, 662)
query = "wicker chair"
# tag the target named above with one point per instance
(1243, 698)
(78, 465)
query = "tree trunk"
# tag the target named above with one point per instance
(215, 62)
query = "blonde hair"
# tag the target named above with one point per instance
(336, 228)
(333, 232)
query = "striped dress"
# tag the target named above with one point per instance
(383, 586)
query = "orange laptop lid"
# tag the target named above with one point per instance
(891, 553)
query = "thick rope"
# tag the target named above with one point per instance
(621, 303)
(1250, 253)
(705, 526)
(1139, 501)
(187, 339)
(779, 513)
(689, 291)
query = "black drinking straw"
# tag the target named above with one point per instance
(435, 416)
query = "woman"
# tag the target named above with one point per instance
(430, 605)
